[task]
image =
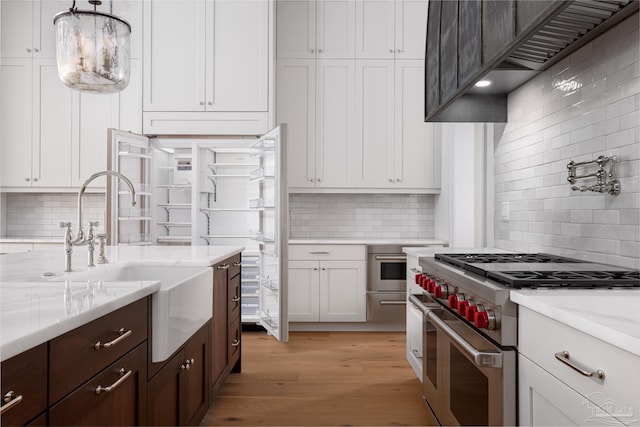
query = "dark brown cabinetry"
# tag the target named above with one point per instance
(116, 396)
(226, 330)
(24, 386)
(179, 392)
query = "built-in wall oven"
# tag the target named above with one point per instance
(386, 284)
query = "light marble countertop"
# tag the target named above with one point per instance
(426, 252)
(34, 310)
(364, 241)
(611, 315)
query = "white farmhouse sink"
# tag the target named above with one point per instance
(181, 306)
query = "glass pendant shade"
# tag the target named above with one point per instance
(92, 50)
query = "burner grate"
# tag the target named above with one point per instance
(574, 279)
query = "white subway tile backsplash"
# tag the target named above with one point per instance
(380, 216)
(37, 215)
(590, 105)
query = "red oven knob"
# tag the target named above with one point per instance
(462, 308)
(418, 276)
(437, 291)
(471, 312)
(485, 319)
(453, 301)
(430, 285)
(423, 282)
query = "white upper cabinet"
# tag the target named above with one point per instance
(388, 29)
(316, 29)
(296, 29)
(417, 153)
(174, 56)
(296, 106)
(411, 29)
(375, 29)
(30, 31)
(206, 67)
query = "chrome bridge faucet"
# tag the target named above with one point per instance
(79, 239)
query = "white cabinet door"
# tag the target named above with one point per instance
(547, 401)
(411, 29)
(304, 289)
(296, 29)
(15, 114)
(130, 101)
(414, 339)
(296, 106)
(338, 159)
(53, 127)
(375, 29)
(238, 63)
(374, 116)
(417, 153)
(336, 29)
(27, 28)
(343, 291)
(174, 47)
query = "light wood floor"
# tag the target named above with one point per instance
(321, 379)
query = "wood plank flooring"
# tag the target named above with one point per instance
(321, 379)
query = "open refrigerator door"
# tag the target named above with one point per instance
(272, 203)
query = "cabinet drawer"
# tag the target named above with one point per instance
(26, 376)
(235, 263)
(122, 403)
(73, 357)
(541, 337)
(332, 252)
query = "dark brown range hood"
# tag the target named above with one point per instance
(505, 41)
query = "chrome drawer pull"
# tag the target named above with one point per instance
(319, 252)
(392, 302)
(235, 343)
(237, 264)
(564, 357)
(113, 386)
(222, 267)
(391, 257)
(109, 344)
(416, 354)
(11, 399)
(235, 299)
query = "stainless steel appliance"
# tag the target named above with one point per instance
(386, 284)
(470, 326)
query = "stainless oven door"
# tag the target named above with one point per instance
(476, 379)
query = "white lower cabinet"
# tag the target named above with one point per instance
(325, 289)
(553, 393)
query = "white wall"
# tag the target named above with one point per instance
(460, 207)
(584, 106)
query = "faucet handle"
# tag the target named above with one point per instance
(94, 224)
(102, 239)
(65, 225)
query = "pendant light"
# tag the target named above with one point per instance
(92, 49)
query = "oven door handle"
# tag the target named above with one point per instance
(391, 257)
(483, 359)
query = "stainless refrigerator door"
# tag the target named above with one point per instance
(273, 237)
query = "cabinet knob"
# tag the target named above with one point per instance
(318, 179)
(390, 50)
(201, 103)
(399, 50)
(319, 50)
(28, 50)
(27, 179)
(390, 179)
(209, 103)
(36, 50)
(312, 50)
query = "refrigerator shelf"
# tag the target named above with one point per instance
(175, 186)
(174, 224)
(175, 205)
(228, 175)
(174, 239)
(214, 165)
(225, 236)
(135, 155)
(271, 321)
(134, 239)
(133, 213)
(260, 237)
(269, 284)
(226, 210)
(134, 218)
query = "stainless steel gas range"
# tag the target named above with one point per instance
(470, 330)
